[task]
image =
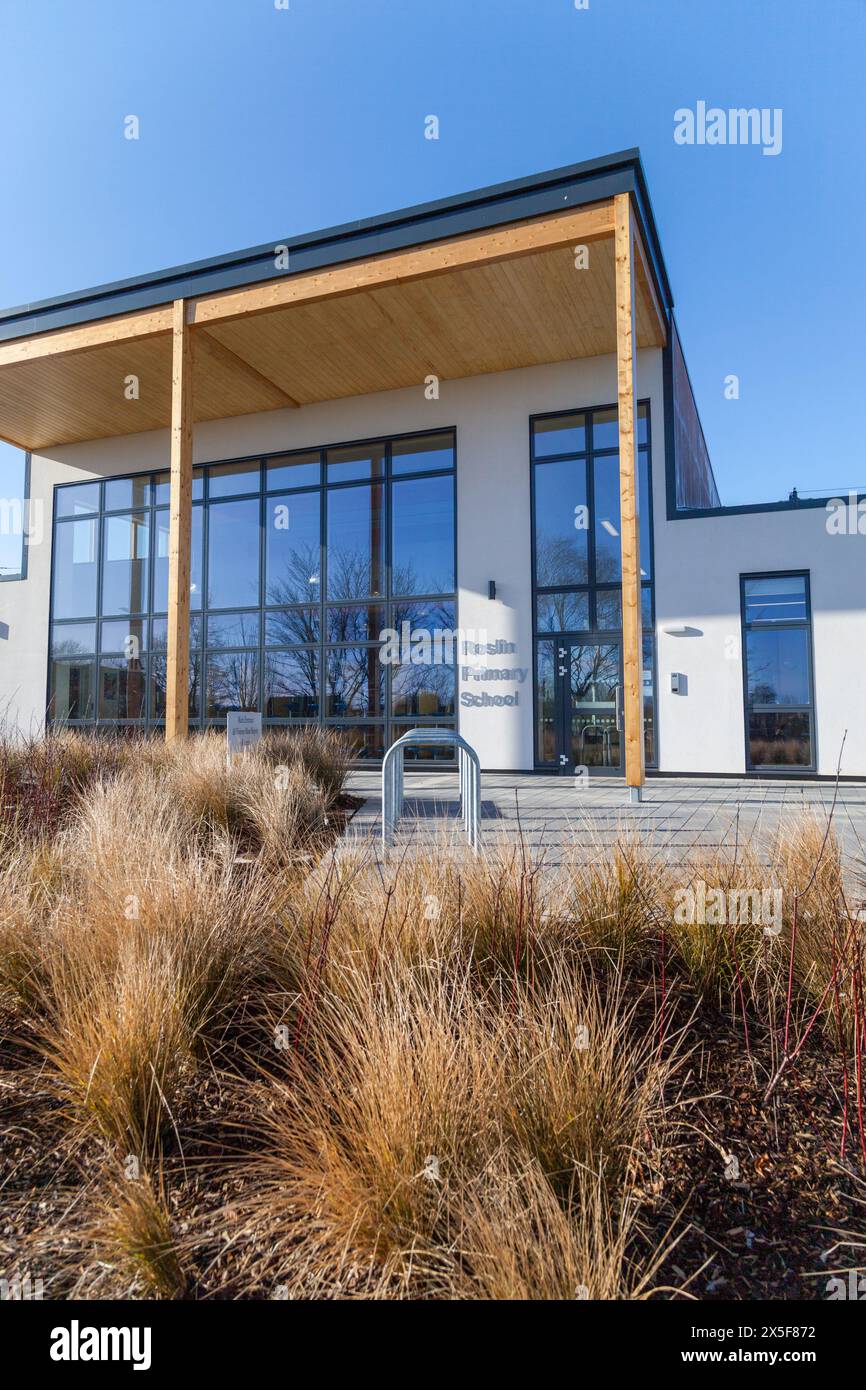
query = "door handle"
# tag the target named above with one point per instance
(618, 707)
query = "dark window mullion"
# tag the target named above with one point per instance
(324, 520)
(387, 712)
(151, 594)
(263, 588)
(100, 543)
(590, 532)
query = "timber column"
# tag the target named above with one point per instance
(632, 633)
(180, 528)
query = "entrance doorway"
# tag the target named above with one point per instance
(589, 704)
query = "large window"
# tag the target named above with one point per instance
(777, 656)
(577, 570)
(301, 564)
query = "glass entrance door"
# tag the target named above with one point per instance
(589, 690)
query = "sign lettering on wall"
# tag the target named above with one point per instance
(480, 671)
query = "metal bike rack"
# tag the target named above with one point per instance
(392, 781)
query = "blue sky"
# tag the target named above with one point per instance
(258, 122)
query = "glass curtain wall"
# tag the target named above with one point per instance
(302, 565)
(576, 551)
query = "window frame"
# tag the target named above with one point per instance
(799, 624)
(21, 573)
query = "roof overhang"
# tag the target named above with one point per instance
(481, 283)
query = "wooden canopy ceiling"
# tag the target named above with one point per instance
(485, 302)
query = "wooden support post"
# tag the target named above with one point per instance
(180, 528)
(632, 635)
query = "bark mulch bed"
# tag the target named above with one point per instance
(760, 1228)
(763, 1226)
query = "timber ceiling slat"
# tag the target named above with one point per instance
(488, 315)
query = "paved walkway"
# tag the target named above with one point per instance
(676, 816)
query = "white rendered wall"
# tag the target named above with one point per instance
(697, 563)
(491, 415)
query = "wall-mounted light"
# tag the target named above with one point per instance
(682, 630)
(491, 589)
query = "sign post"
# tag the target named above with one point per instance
(243, 730)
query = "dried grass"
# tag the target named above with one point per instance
(449, 1075)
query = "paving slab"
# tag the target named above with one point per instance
(676, 816)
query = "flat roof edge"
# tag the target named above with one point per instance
(801, 504)
(478, 210)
